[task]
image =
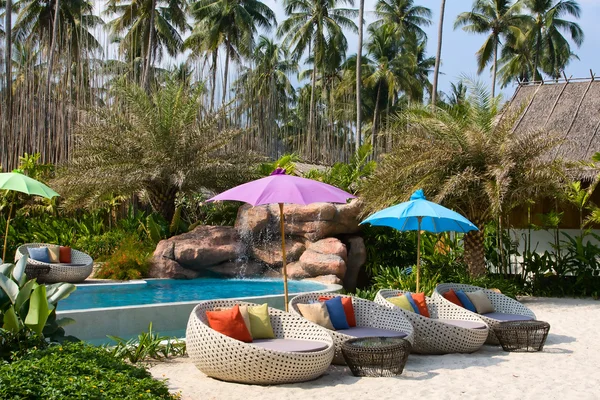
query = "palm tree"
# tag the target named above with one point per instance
(310, 25)
(149, 28)
(232, 24)
(403, 16)
(8, 62)
(496, 17)
(551, 50)
(438, 55)
(468, 161)
(156, 143)
(361, 10)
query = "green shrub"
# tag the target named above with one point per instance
(147, 345)
(77, 371)
(129, 261)
(100, 247)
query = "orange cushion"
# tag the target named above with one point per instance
(230, 323)
(348, 309)
(64, 254)
(419, 299)
(451, 296)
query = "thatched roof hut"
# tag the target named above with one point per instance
(569, 109)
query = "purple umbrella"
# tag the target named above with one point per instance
(281, 188)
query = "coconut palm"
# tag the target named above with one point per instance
(157, 143)
(493, 17)
(468, 161)
(310, 25)
(404, 16)
(551, 50)
(358, 78)
(148, 28)
(231, 24)
(438, 54)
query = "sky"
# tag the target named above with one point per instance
(458, 52)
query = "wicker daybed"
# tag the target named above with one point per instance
(228, 359)
(506, 309)
(77, 271)
(371, 320)
(448, 330)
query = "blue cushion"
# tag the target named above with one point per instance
(336, 313)
(412, 302)
(39, 254)
(466, 302)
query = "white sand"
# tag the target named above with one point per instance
(568, 368)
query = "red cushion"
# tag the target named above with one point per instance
(421, 303)
(348, 309)
(451, 296)
(230, 323)
(64, 254)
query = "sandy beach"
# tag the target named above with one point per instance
(568, 368)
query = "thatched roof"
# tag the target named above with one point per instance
(569, 109)
(303, 168)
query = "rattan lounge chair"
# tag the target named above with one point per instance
(371, 320)
(448, 330)
(506, 309)
(77, 271)
(263, 362)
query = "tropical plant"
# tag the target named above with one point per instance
(496, 18)
(312, 25)
(287, 162)
(551, 50)
(27, 308)
(474, 163)
(130, 260)
(403, 16)
(231, 24)
(146, 345)
(158, 143)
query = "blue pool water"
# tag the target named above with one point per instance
(156, 291)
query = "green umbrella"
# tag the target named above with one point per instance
(22, 183)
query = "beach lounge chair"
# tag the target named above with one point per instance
(371, 320)
(301, 350)
(505, 308)
(447, 330)
(77, 270)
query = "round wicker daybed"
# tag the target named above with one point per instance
(224, 358)
(506, 309)
(77, 270)
(372, 319)
(448, 330)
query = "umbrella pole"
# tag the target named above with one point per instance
(285, 284)
(6, 233)
(418, 251)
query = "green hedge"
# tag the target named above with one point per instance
(77, 371)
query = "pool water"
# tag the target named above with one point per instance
(157, 291)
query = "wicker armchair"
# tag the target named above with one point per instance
(77, 271)
(368, 315)
(504, 306)
(448, 330)
(228, 359)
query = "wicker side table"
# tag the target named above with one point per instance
(523, 336)
(376, 356)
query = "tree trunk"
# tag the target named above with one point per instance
(361, 10)
(214, 79)
(8, 67)
(538, 46)
(438, 56)
(162, 199)
(376, 112)
(226, 72)
(311, 112)
(52, 47)
(495, 66)
(150, 51)
(474, 251)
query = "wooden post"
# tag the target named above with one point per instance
(284, 270)
(419, 219)
(6, 233)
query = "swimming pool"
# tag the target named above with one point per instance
(160, 291)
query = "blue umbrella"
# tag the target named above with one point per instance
(419, 214)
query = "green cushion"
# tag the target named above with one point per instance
(402, 302)
(260, 323)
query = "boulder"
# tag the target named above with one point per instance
(237, 269)
(296, 270)
(270, 252)
(252, 220)
(326, 279)
(162, 267)
(329, 246)
(357, 256)
(315, 264)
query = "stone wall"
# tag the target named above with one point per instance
(322, 243)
